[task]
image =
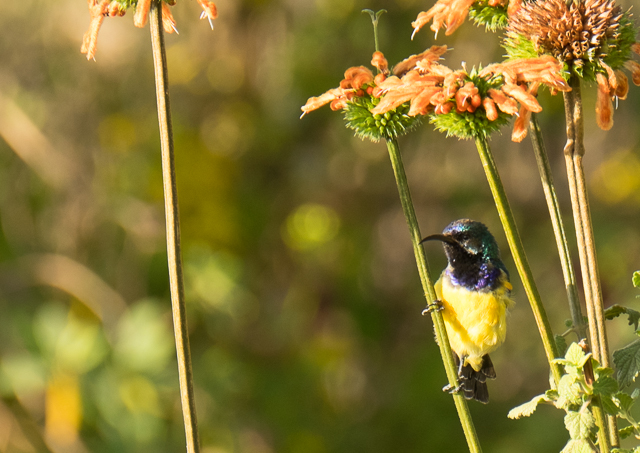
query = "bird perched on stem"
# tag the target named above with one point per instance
(474, 296)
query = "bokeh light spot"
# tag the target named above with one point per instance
(310, 226)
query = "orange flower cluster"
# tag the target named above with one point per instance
(99, 9)
(357, 81)
(452, 13)
(430, 86)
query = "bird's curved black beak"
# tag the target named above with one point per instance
(440, 237)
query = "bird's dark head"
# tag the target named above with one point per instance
(471, 250)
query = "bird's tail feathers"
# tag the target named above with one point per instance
(474, 383)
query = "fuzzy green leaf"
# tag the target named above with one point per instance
(561, 343)
(580, 424)
(624, 401)
(610, 405)
(605, 386)
(526, 409)
(576, 356)
(636, 279)
(578, 446)
(569, 392)
(627, 362)
(616, 310)
(626, 432)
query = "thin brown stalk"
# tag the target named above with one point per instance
(574, 152)
(172, 219)
(558, 226)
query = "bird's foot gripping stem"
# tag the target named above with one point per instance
(451, 389)
(435, 306)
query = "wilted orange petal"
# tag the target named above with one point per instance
(142, 12)
(432, 54)
(379, 62)
(423, 19)
(314, 103)
(209, 10)
(635, 71)
(168, 22)
(504, 103)
(338, 104)
(420, 104)
(90, 38)
(393, 99)
(524, 98)
(457, 14)
(623, 85)
(490, 108)
(520, 125)
(604, 106)
(635, 47)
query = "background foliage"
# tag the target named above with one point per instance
(303, 296)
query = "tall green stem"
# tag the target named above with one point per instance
(429, 293)
(558, 226)
(574, 151)
(172, 220)
(519, 256)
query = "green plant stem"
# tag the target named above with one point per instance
(519, 256)
(429, 292)
(558, 226)
(172, 220)
(574, 151)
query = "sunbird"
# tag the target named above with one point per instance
(474, 296)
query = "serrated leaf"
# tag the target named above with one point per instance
(624, 401)
(579, 424)
(636, 279)
(576, 356)
(578, 446)
(526, 409)
(627, 362)
(551, 395)
(561, 343)
(569, 392)
(616, 310)
(626, 431)
(609, 405)
(605, 386)
(602, 371)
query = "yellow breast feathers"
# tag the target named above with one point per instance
(476, 321)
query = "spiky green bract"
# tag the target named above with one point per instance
(389, 125)
(519, 47)
(619, 51)
(492, 17)
(467, 125)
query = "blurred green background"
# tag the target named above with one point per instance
(303, 296)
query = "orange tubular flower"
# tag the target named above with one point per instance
(209, 10)
(99, 9)
(142, 13)
(445, 13)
